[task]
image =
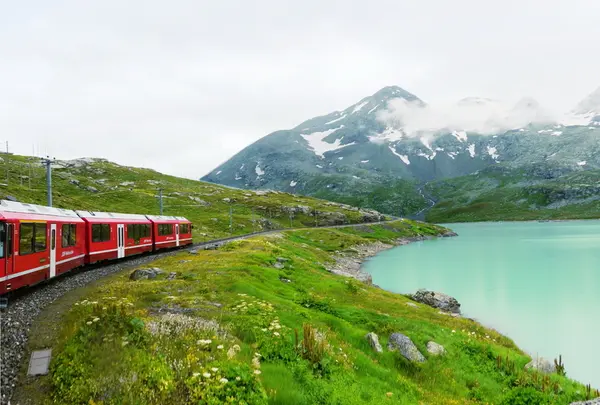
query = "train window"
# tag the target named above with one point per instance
(100, 232)
(69, 235)
(184, 228)
(2, 238)
(40, 237)
(32, 238)
(146, 229)
(165, 229)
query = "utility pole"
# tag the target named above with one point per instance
(160, 201)
(48, 163)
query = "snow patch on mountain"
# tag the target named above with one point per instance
(471, 150)
(373, 109)
(493, 152)
(582, 163)
(336, 120)
(319, 146)
(364, 161)
(404, 158)
(259, 172)
(293, 183)
(359, 106)
(460, 135)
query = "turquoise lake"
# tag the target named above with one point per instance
(536, 282)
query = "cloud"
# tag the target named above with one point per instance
(479, 115)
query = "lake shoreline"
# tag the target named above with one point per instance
(350, 264)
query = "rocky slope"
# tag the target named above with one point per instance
(380, 151)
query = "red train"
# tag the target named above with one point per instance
(38, 243)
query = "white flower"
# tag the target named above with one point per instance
(277, 326)
(96, 319)
(257, 372)
(453, 331)
(89, 322)
(237, 378)
(276, 333)
(223, 380)
(220, 347)
(207, 375)
(196, 374)
(214, 369)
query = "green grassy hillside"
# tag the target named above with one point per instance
(502, 193)
(104, 186)
(261, 321)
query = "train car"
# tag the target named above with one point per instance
(114, 236)
(170, 231)
(37, 243)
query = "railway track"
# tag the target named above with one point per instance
(24, 306)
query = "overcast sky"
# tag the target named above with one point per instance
(182, 85)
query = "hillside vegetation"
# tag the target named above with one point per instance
(261, 321)
(502, 193)
(99, 185)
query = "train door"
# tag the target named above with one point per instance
(6, 250)
(120, 241)
(176, 234)
(52, 250)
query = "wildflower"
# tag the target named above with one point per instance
(276, 333)
(223, 380)
(77, 303)
(389, 394)
(124, 343)
(204, 342)
(453, 331)
(89, 322)
(257, 372)
(277, 326)
(207, 375)
(257, 354)
(95, 319)
(196, 374)
(255, 362)
(264, 329)
(220, 347)
(214, 369)
(237, 378)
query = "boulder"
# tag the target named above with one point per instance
(437, 300)
(145, 274)
(373, 340)
(405, 346)
(279, 265)
(92, 189)
(282, 259)
(74, 181)
(435, 349)
(542, 365)
(172, 275)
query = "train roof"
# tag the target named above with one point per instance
(14, 207)
(98, 215)
(166, 218)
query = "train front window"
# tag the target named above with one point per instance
(2, 238)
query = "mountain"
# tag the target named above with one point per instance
(384, 151)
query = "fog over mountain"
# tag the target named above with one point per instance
(479, 115)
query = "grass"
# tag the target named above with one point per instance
(230, 328)
(506, 194)
(100, 185)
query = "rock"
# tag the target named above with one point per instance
(542, 365)
(145, 274)
(279, 265)
(405, 346)
(74, 181)
(373, 340)
(437, 300)
(227, 199)
(285, 280)
(215, 304)
(590, 402)
(92, 189)
(435, 349)
(283, 259)
(412, 304)
(187, 261)
(449, 234)
(127, 183)
(172, 275)
(194, 251)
